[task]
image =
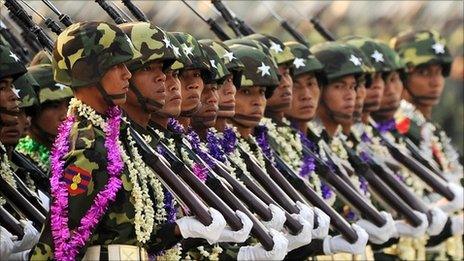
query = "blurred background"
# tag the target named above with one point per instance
(377, 19)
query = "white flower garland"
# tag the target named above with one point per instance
(172, 254)
(5, 169)
(138, 173)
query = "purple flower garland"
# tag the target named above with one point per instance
(386, 126)
(67, 243)
(263, 142)
(214, 146)
(229, 140)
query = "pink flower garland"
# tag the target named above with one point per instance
(68, 243)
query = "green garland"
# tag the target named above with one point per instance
(36, 151)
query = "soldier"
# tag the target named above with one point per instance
(26, 86)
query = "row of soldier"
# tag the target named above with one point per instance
(327, 150)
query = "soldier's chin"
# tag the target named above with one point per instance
(281, 107)
(225, 114)
(120, 100)
(371, 106)
(246, 121)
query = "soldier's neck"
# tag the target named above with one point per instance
(330, 125)
(160, 120)
(136, 114)
(184, 121)
(365, 117)
(301, 125)
(221, 124)
(92, 97)
(424, 109)
(35, 134)
(201, 131)
(245, 132)
(275, 115)
(346, 128)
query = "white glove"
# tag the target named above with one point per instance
(6, 243)
(332, 245)
(439, 218)
(403, 228)
(30, 238)
(190, 227)
(304, 237)
(257, 252)
(323, 224)
(379, 235)
(457, 227)
(458, 201)
(278, 218)
(239, 236)
(306, 211)
(20, 256)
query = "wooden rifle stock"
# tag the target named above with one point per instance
(336, 220)
(20, 202)
(40, 178)
(10, 223)
(419, 157)
(392, 199)
(152, 159)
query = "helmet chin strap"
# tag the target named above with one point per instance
(144, 100)
(43, 134)
(109, 98)
(336, 116)
(238, 117)
(419, 98)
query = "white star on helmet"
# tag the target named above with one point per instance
(167, 42)
(14, 56)
(355, 60)
(276, 47)
(16, 91)
(61, 86)
(213, 63)
(264, 69)
(230, 56)
(377, 56)
(299, 62)
(188, 50)
(438, 48)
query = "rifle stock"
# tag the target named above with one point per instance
(10, 223)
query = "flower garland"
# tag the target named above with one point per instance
(263, 141)
(39, 153)
(67, 243)
(172, 254)
(5, 169)
(229, 142)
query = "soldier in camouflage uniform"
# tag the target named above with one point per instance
(28, 100)
(50, 109)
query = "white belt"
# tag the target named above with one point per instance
(116, 253)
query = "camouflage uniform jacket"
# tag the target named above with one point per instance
(85, 172)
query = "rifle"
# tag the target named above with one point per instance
(213, 25)
(111, 12)
(28, 37)
(14, 43)
(420, 170)
(18, 201)
(136, 12)
(314, 20)
(292, 31)
(381, 189)
(39, 177)
(24, 190)
(419, 157)
(200, 188)
(52, 25)
(15, 8)
(172, 181)
(63, 18)
(237, 25)
(305, 189)
(10, 223)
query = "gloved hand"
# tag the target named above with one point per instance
(303, 238)
(30, 238)
(332, 245)
(457, 203)
(278, 218)
(6, 243)
(439, 218)
(305, 211)
(379, 235)
(323, 224)
(257, 252)
(190, 227)
(23, 255)
(239, 236)
(403, 228)
(457, 227)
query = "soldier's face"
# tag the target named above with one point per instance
(10, 134)
(173, 98)
(374, 93)
(426, 83)
(192, 87)
(24, 122)
(359, 103)
(281, 99)
(227, 98)
(391, 96)
(9, 101)
(150, 81)
(116, 82)
(250, 105)
(207, 114)
(339, 98)
(305, 97)
(51, 115)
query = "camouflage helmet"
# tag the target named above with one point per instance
(25, 87)
(396, 62)
(259, 68)
(422, 48)
(280, 53)
(48, 90)
(182, 59)
(151, 41)
(339, 59)
(191, 48)
(233, 65)
(372, 50)
(218, 68)
(10, 64)
(85, 51)
(304, 61)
